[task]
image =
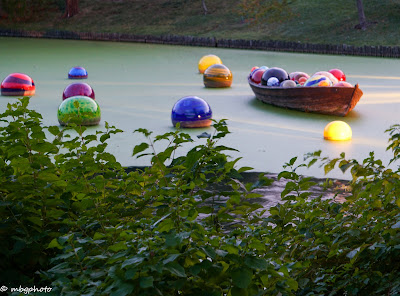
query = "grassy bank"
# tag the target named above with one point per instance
(309, 21)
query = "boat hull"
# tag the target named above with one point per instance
(337, 101)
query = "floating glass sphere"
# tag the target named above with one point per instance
(78, 89)
(207, 61)
(302, 80)
(338, 74)
(295, 76)
(86, 113)
(329, 75)
(191, 111)
(274, 72)
(337, 131)
(77, 73)
(257, 75)
(17, 84)
(288, 83)
(273, 81)
(254, 68)
(217, 75)
(343, 84)
(318, 80)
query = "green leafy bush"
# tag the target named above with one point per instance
(75, 220)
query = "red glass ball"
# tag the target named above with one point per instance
(78, 89)
(338, 74)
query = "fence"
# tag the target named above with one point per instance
(270, 45)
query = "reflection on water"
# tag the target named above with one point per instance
(375, 77)
(381, 98)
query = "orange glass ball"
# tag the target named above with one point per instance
(217, 75)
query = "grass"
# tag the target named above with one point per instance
(311, 21)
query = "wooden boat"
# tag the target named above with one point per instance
(338, 101)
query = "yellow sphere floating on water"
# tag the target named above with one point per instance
(337, 131)
(207, 61)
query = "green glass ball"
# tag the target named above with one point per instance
(80, 110)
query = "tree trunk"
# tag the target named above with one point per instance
(71, 8)
(361, 16)
(203, 2)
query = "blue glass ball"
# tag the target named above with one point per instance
(77, 73)
(191, 111)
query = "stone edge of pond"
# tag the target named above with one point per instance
(267, 45)
(274, 190)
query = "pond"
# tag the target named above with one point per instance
(136, 86)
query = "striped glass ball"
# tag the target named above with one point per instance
(318, 80)
(18, 84)
(217, 75)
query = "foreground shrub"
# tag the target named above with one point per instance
(96, 229)
(75, 220)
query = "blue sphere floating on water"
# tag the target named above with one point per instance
(191, 111)
(77, 73)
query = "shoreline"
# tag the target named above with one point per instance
(270, 45)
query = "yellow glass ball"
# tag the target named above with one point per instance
(337, 131)
(207, 61)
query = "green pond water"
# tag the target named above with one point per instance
(136, 86)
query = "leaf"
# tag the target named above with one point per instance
(60, 268)
(221, 253)
(397, 225)
(312, 162)
(253, 195)
(255, 262)
(118, 247)
(54, 244)
(344, 167)
(225, 148)
(353, 253)
(54, 130)
(241, 278)
(166, 225)
(172, 239)
(293, 284)
(140, 148)
(146, 282)
(123, 289)
(98, 235)
(35, 220)
(243, 169)
(175, 269)
(104, 137)
(130, 273)
(135, 261)
(239, 292)
(292, 161)
(145, 132)
(209, 251)
(171, 258)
